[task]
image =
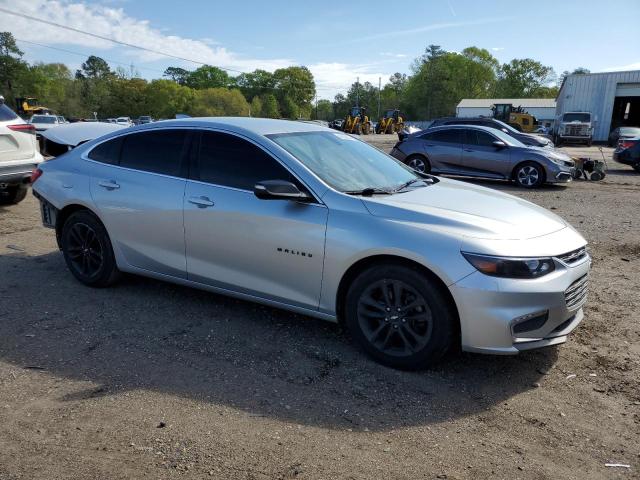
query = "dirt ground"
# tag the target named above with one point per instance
(152, 380)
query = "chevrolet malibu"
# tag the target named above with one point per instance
(304, 218)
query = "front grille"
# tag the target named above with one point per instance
(576, 130)
(576, 294)
(573, 256)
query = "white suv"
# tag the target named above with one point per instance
(19, 155)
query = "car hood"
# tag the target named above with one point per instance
(468, 210)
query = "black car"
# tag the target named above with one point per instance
(526, 138)
(622, 133)
(628, 152)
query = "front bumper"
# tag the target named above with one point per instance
(559, 173)
(506, 316)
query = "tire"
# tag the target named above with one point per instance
(359, 129)
(636, 167)
(529, 175)
(13, 194)
(416, 341)
(596, 176)
(419, 163)
(87, 250)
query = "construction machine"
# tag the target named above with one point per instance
(391, 122)
(517, 117)
(28, 106)
(357, 122)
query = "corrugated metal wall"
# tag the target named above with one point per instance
(542, 113)
(594, 93)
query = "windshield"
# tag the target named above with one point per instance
(45, 119)
(344, 163)
(507, 126)
(629, 130)
(576, 117)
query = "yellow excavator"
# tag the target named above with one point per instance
(357, 122)
(391, 122)
(517, 117)
(28, 106)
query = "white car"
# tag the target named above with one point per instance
(44, 122)
(124, 121)
(19, 155)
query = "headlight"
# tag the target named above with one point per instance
(509, 267)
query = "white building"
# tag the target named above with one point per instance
(544, 109)
(613, 98)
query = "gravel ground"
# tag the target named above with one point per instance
(153, 380)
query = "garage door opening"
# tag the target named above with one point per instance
(626, 112)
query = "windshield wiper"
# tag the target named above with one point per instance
(410, 182)
(369, 191)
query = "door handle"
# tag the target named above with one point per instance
(201, 202)
(109, 184)
(469, 150)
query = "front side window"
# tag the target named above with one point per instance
(158, 151)
(447, 136)
(478, 138)
(344, 163)
(231, 161)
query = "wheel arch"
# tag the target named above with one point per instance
(361, 265)
(521, 163)
(65, 213)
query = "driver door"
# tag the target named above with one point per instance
(272, 249)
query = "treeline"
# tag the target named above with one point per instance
(436, 84)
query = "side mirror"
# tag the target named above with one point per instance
(499, 144)
(278, 190)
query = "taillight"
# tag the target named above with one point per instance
(23, 127)
(35, 174)
(626, 143)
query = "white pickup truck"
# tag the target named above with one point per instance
(574, 127)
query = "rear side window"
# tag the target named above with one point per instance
(107, 152)
(445, 136)
(6, 113)
(233, 162)
(158, 151)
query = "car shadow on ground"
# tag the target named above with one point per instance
(149, 335)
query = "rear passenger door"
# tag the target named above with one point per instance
(272, 249)
(444, 149)
(483, 158)
(137, 184)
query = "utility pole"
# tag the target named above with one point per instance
(317, 107)
(379, 89)
(357, 91)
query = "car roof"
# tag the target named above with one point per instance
(457, 127)
(260, 126)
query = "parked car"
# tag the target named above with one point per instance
(622, 133)
(44, 122)
(476, 151)
(526, 138)
(62, 120)
(19, 155)
(143, 119)
(304, 218)
(126, 121)
(336, 124)
(628, 152)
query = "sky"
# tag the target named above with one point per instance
(337, 41)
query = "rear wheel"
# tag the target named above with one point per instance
(529, 175)
(13, 194)
(399, 316)
(87, 250)
(419, 163)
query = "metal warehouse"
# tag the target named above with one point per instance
(613, 98)
(544, 109)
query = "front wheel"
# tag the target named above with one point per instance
(529, 175)
(87, 250)
(418, 163)
(399, 316)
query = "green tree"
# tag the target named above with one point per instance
(94, 68)
(524, 78)
(165, 98)
(49, 82)
(256, 107)
(208, 77)
(295, 89)
(269, 106)
(323, 110)
(214, 102)
(256, 83)
(11, 65)
(177, 74)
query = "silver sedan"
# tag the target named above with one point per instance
(301, 217)
(477, 151)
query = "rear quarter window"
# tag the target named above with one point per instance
(6, 114)
(107, 152)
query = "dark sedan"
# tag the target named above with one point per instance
(622, 133)
(475, 151)
(628, 152)
(526, 138)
